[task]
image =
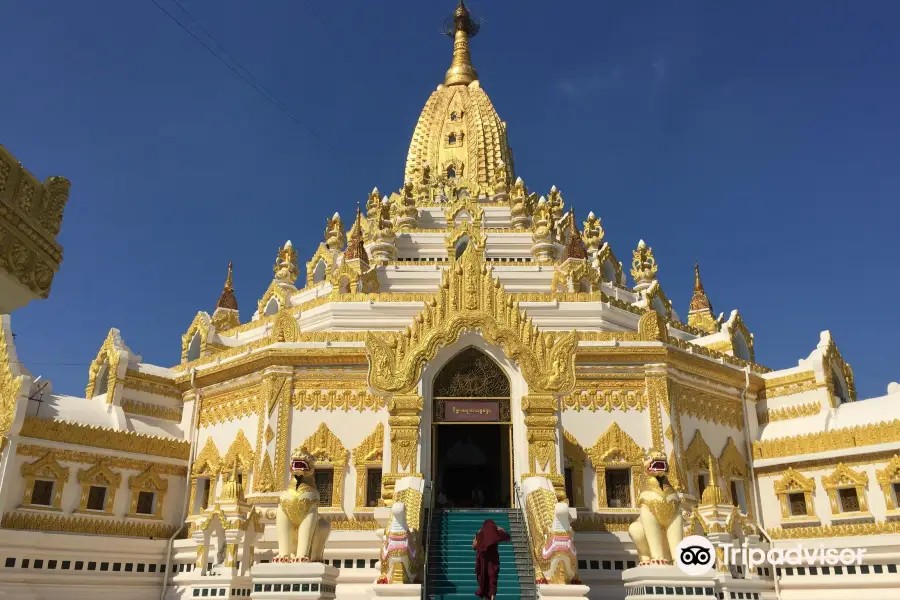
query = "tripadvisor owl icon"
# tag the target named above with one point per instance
(695, 555)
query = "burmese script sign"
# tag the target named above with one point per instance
(468, 411)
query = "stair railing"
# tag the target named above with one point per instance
(520, 504)
(429, 502)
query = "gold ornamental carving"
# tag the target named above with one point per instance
(658, 394)
(337, 399)
(90, 458)
(10, 384)
(329, 452)
(886, 478)
(367, 455)
(198, 328)
(31, 215)
(208, 460)
(85, 525)
(790, 412)
(166, 413)
(99, 437)
(708, 407)
(837, 439)
(240, 455)
(470, 299)
(106, 366)
(615, 449)
(833, 531)
(844, 477)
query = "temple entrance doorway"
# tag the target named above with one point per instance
(471, 435)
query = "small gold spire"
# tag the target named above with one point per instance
(227, 299)
(713, 494)
(575, 246)
(355, 248)
(461, 71)
(700, 301)
(700, 314)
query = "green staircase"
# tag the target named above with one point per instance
(451, 559)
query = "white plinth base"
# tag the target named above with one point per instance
(654, 581)
(283, 581)
(552, 591)
(397, 591)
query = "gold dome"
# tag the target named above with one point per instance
(459, 133)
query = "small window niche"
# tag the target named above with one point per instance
(98, 489)
(325, 485)
(147, 492)
(618, 488)
(44, 482)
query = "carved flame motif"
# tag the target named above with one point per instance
(470, 299)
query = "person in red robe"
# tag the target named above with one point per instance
(487, 558)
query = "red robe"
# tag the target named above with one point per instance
(487, 558)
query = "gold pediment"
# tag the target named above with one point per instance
(470, 299)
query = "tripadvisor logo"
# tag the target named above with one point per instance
(696, 556)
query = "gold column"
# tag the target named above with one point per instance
(540, 431)
(403, 422)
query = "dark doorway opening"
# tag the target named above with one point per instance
(472, 465)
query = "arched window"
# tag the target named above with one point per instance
(319, 271)
(584, 286)
(344, 285)
(194, 348)
(271, 307)
(741, 348)
(452, 139)
(453, 116)
(102, 380)
(471, 374)
(451, 172)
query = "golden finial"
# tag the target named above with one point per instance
(355, 248)
(593, 233)
(461, 29)
(713, 494)
(286, 269)
(643, 264)
(227, 299)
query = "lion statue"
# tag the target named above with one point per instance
(302, 533)
(659, 528)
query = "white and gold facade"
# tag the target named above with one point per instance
(179, 468)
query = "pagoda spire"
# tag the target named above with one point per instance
(227, 299)
(700, 314)
(226, 314)
(356, 250)
(461, 29)
(574, 246)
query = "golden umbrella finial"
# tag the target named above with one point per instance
(461, 28)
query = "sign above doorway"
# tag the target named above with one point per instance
(471, 411)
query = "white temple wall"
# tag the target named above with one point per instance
(111, 567)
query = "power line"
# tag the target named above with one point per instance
(334, 41)
(258, 86)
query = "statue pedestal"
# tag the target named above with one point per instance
(552, 591)
(397, 591)
(283, 581)
(654, 581)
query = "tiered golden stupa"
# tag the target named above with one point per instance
(464, 333)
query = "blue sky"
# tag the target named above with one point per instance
(758, 137)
